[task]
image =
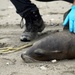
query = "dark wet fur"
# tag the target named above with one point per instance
(60, 45)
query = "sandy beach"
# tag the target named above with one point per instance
(10, 31)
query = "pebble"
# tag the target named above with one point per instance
(54, 61)
(43, 68)
(7, 63)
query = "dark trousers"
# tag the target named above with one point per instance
(71, 1)
(24, 6)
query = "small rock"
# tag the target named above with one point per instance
(52, 21)
(54, 61)
(7, 63)
(43, 68)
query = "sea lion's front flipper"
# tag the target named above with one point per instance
(56, 51)
(39, 52)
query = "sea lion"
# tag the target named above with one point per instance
(60, 45)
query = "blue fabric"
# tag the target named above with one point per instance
(71, 19)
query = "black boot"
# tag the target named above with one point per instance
(34, 24)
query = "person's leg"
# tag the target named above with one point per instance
(70, 1)
(30, 13)
(22, 6)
